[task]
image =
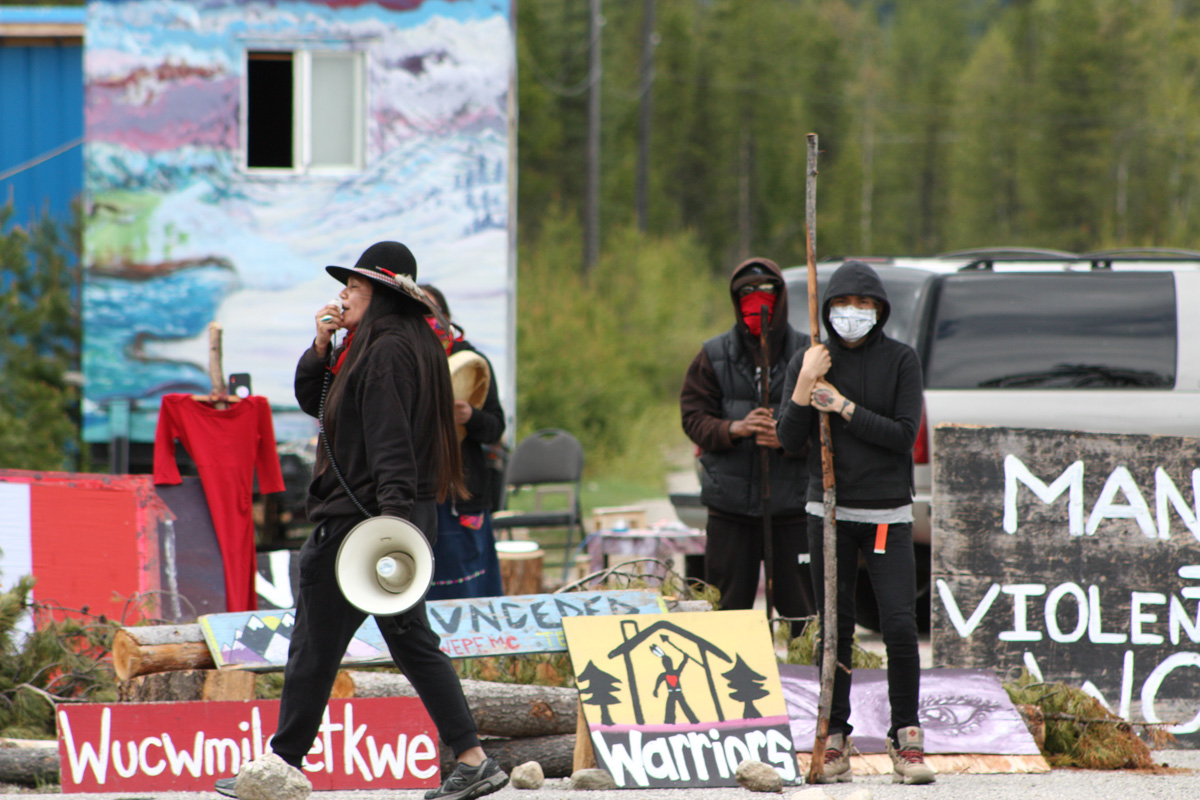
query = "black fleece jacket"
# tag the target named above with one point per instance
(377, 435)
(872, 453)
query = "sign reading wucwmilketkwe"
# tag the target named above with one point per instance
(1076, 555)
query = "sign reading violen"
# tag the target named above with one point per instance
(1077, 556)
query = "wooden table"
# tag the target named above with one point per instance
(660, 543)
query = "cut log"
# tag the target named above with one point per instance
(189, 684)
(510, 710)
(29, 763)
(554, 753)
(159, 648)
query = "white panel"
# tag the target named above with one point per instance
(16, 549)
(334, 109)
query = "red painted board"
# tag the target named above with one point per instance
(363, 743)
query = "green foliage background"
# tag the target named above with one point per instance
(943, 124)
(40, 334)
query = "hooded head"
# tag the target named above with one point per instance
(755, 283)
(857, 279)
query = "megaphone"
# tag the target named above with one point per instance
(384, 566)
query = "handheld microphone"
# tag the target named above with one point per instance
(337, 301)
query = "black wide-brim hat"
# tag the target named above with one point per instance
(392, 265)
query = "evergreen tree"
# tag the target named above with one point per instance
(745, 686)
(40, 334)
(601, 690)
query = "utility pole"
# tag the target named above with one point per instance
(591, 224)
(649, 42)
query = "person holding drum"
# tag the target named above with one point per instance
(465, 560)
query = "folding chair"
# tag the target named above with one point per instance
(549, 461)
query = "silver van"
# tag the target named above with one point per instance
(1106, 342)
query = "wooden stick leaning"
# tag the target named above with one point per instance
(829, 614)
(765, 388)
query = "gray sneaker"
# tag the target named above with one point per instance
(837, 760)
(466, 783)
(227, 786)
(908, 760)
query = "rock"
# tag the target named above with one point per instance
(272, 778)
(861, 794)
(592, 779)
(527, 776)
(758, 777)
(813, 793)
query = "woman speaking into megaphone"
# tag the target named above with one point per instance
(385, 403)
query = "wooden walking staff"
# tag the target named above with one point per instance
(764, 315)
(829, 616)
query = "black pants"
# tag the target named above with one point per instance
(325, 624)
(733, 556)
(894, 579)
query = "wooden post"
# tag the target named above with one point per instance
(764, 342)
(584, 756)
(829, 614)
(216, 372)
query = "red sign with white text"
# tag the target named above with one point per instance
(365, 743)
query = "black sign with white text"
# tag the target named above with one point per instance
(1076, 555)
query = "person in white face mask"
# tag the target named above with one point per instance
(871, 386)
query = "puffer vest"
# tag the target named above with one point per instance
(731, 480)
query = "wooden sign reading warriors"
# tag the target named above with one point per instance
(681, 699)
(1076, 555)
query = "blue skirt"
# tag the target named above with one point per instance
(464, 558)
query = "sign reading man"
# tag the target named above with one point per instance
(1076, 555)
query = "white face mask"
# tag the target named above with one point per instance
(851, 323)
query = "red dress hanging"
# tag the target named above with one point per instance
(227, 445)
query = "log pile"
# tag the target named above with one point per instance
(28, 762)
(517, 722)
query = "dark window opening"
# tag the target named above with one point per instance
(269, 110)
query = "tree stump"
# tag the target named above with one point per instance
(520, 569)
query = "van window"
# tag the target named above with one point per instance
(1053, 331)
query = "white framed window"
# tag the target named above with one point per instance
(303, 111)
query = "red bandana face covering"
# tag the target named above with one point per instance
(750, 306)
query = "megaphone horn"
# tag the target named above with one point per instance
(384, 566)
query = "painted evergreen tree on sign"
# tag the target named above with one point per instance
(601, 690)
(746, 686)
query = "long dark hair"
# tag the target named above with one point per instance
(431, 358)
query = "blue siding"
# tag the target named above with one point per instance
(41, 109)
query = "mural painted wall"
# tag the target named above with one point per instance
(181, 232)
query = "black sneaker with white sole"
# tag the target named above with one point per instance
(227, 786)
(466, 783)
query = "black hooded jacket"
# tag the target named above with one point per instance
(722, 385)
(872, 453)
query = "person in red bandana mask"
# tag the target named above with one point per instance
(723, 414)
